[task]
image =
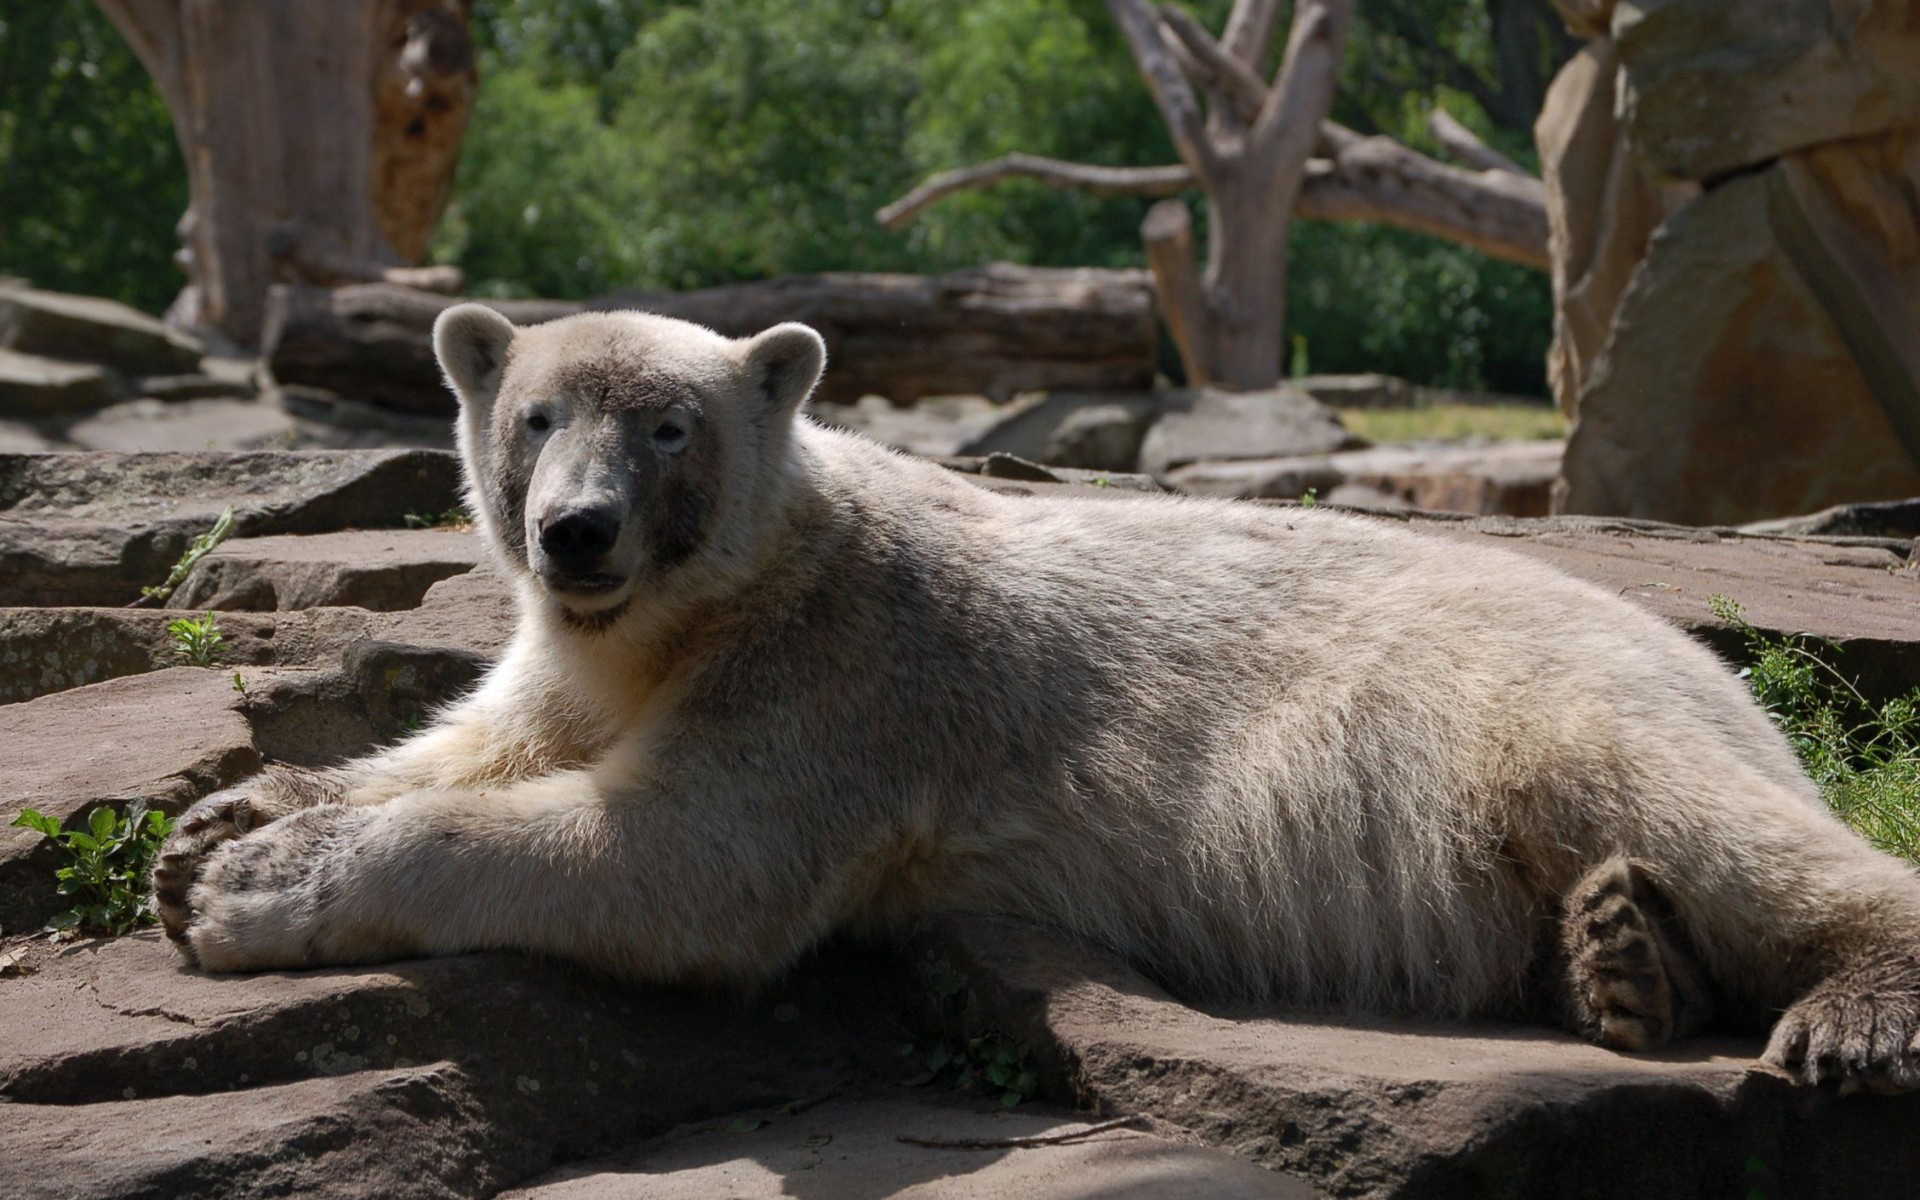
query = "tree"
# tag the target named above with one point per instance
(1251, 155)
(320, 138)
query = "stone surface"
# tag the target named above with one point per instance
(1511, 478)
(936, 427)
(32, 386)
(446, 1077)
(1210, 424)
(230, 383)
(1731, 389)
(1712, 86)
(1892, 519)
(211, 424)
(1359, 391)
(848, 1148)
(380, 569)
(1093, 430)
(170, 736)
(79, 529)
(90, 329)
(1403, 1109)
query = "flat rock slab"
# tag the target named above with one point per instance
(442, 1077)
(1196, 426)
(1861, 593)
(150, 424)
(379, 569)
(853, 1147)
(1386, 1109)
(169, 737)
(1510, 478)
(32, 386)
(91, 529)
(90, 329)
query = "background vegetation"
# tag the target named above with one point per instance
(679, 143)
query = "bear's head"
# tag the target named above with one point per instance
(607, 453)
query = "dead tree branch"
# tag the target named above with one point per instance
(1462, 144)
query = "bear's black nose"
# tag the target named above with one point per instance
(576, 541)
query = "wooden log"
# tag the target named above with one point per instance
(994, 330)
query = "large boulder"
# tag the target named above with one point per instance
(1212, 424)
(380, 569)
(33, 386)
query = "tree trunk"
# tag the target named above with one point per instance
(319, 136)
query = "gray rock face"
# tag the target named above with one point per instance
(81, 529)
(89, 329)
(148, 424)
(32, 386)
(1434, 1111)
(383, 570)
(1215, 425)
(1512, 478)
(854, 1147)
(170, 737)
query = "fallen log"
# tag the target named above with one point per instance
(993, 331)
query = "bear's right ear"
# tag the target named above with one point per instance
(471, 342)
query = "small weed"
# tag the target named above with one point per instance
(198, 641)
(988, 1063)
(1310, 498)
(194, 553)
(455, 518)
(239, 684)
(1864, 757)
(104, 868)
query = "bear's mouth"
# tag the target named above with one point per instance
(597, 584)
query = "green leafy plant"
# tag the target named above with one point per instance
(197, 640)
(1310, 498)
(453, 518)
(104, 868)
(1864, 756)
(988, 1063)
(195, 551)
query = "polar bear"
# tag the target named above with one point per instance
(771, 680)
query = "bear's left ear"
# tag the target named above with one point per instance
(784, 363)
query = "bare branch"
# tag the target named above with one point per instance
(1100, 181)
(1302, 94)
(1462, 144)
(1178, 107)
(1378, 179)
(1167, 233)
(1229, 83)
(1249, 31)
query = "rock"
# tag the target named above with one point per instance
(1512, 478)
(1212, 424)
(444, 1077)
(85, 529)
(1752, 372)
(89, 329)
(1092, 430)
(384, 570)
(228, 385)
(1389, 1109)
(171, 737)
(1893, 519)
(1359, 391)
(19, 438)
(32, 386)
(159, 425)
(1711, 86)
(936, 427)
(852, 1147)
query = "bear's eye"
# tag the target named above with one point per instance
(670, 437)
(539, 422)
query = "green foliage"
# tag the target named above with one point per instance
(1865, 757)
(197, 640)
(91, 181)
(105, 868)
(195, 551)
(456, 517)
(988, 1063)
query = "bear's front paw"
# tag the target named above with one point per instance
(256, 902)
(1862, 1038)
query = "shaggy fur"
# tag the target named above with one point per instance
(1291, 756)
